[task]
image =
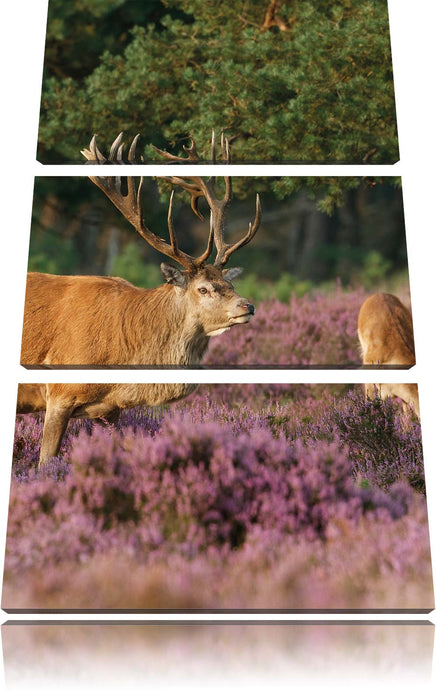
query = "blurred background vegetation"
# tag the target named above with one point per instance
(290, 80)
(305, 241)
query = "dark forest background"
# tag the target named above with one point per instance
(360, 241)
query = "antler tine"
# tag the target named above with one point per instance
(116, 182)
(114, 151)
(138, 196)
(225, 148)
(225, 250)
(202, 259)
(213, 148)
(93, 154)
(133, 195)
(193, 186)
(229, 188)
(191, 150)
(171, 231)
(132, 150)
(120, 153)
(129, 204)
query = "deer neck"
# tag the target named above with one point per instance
(172, 334)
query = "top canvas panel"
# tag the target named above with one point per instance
(286, 82)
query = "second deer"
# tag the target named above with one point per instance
(385, 333)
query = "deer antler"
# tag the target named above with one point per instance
(129, 204)
(198, 187)
(225, 250)
(273, 19)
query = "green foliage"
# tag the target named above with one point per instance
(79, 31)
(329, 192)
(320, 92)
(52, 254)
(129, 266)
(287, 285)
(375, 269)
(356, 265)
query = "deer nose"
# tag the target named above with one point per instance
(244, 304)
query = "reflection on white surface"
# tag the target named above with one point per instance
(82, 655)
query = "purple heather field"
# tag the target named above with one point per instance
(319, 328)
(289, 497)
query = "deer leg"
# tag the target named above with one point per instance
(55, 423)
(408, 393)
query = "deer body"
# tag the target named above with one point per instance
(106, 321)
(385, 333)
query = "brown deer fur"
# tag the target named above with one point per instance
(385, 333)
(89, 321)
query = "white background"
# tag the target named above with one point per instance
(22, 48)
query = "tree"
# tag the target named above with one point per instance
(79, 31)
(313, 86)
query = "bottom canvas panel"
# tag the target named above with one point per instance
(242, 497)
(43, 656)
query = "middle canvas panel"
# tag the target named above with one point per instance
(219, 272)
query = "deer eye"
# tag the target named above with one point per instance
(202, 290)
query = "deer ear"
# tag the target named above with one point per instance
(173, 275)
(231, 273)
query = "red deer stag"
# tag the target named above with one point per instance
(106, 321)
(385, 333)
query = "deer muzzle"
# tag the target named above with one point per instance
(244, 312)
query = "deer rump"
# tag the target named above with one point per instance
(385, 332)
